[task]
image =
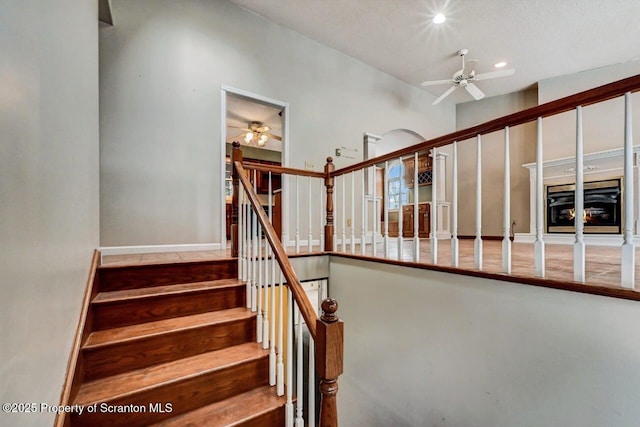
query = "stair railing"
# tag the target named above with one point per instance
(369, 184)
(275, 293)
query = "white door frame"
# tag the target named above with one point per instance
(284, 106)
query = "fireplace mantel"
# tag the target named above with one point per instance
(597, 166)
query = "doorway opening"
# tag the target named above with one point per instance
(261, 126)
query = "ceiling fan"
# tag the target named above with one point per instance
(466, 80)
(256, 132)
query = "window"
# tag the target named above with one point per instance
(397, 190)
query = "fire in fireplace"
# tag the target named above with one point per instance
(602, 207)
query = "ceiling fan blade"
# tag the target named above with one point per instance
(474, 91)
(436, 82)
(241, 128)
(236, 138)
(494, 74)
(444, 95)
(276, 137)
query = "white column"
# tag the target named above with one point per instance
(628, 247)
(454, 210)
(539, 243)
(343, 212)
(434, 209)
(297, 214)
(416, 235)
(310, 222)
(375, 219)
(363, 232)
(477, 260)
(506, 209)
(353, 212)
(578, 246)
(385, 202)
(400, 210)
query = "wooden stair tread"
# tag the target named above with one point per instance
(128, 383)
(155, 263)
(183, 288)
(143, 330)
(230, 412)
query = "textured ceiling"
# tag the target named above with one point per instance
(539, 38)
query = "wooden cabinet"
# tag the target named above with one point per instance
(424, 220)
(424, 170)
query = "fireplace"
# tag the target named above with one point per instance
(602, 207)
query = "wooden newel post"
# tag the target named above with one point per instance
(329, 360)
(328, 183)
(236, 156)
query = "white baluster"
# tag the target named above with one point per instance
(311, 416)
(375, 217)
(322, 213)
(434, 210)
(401, 210)
(272, 349)
(579, 264)
(628, 247)
(455, 248)
(386, 209)
(310, 223)
(280, 355)
(297, 214)
(353, 213)
(289, 404)
(478, 242)
(246, 249)
(539, 243)
(265, 297)
(343, 213)
(260, 261)
(285, 210)
(254, 262)
(506, 208)
(299, 373)
(240, 236)
(363, 224)
(416, 227)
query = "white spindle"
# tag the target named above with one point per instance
(434, 210)
(280, 355)
(628, 246)
(311, 415)
(375, 217)
(272, 349)
(455, 248)
(578, 246)
(416, 226)
(343, 214)
(386, 209)
(285, 210)
(240, 235)
(322, 213)
(260, 262)
(539, 243)
(299, 373)
(297, 214)
(401, 210)
(506, 208)
(265, 297)
(363, 220)
(254, 261)
(478, 241)
(289, 404)
(353, 212)
(310, 223)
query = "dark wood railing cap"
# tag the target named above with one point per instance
(329, 309)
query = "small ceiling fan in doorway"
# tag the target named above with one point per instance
(460, 79)
(255, 133)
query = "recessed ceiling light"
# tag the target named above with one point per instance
(500, 64)
(439, 18)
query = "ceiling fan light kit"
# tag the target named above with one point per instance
(460, 79)
(257, 133)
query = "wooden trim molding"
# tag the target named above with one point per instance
(74, 366)
(533, 281)
(281, 170)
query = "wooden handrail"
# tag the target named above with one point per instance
(279, 252)
(587, 97)
(280, 169)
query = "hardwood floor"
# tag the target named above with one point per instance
(602, 262)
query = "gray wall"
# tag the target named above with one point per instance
(48, 191)
(425, 348)
(161, 67)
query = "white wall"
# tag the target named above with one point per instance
(48, 191)
(161, 68)
(428, 348)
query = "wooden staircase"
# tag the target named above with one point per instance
(172, 345)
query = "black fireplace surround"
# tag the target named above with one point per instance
(602, 207)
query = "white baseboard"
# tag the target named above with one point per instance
(568, 239)
(148, 249)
